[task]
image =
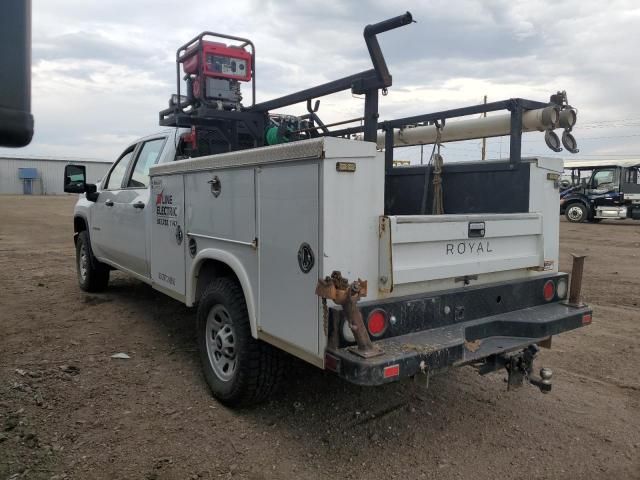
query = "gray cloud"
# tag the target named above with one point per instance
(102, 70)
(83, 45)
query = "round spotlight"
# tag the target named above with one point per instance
(569, 142)
(552, 141)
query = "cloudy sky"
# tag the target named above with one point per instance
(103, 69)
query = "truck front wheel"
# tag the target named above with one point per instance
(576, 213)
(239, 369)
(93, 276)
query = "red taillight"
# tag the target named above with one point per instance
(377, 323)
(549, 290)
(331, 363)
(586, 319)
(391, 371)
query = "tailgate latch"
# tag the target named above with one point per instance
(476, 229)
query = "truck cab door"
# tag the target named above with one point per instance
(133, 208)
(604, 186)
(122, 213)
(102, 220)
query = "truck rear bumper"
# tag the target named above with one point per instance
(457, 344)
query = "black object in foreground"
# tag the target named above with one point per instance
(16, 121)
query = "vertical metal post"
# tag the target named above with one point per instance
(253, 76)
(388, 149)
(371, 115)
(484, 139)
(515, 146)
(576, 279)
(388, 159)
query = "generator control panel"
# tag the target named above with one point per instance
(217, 60)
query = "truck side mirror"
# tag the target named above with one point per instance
(75, 179)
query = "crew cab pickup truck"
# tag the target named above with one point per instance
(312, 249)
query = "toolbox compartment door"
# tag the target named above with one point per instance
(417, 248)
(288, 245)
(167, 235)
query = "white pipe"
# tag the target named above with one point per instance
(494, 126)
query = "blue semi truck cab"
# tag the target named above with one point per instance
(591, 191)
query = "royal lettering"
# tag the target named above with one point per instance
(468, 248)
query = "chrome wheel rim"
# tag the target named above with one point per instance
(83, 262)
(575, 213)
(220, 340)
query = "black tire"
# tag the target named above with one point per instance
(239, 369)
(93, 276)
(576, 212)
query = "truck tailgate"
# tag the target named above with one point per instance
(417, 248)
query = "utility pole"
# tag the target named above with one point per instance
(484, 140)
(421, 154)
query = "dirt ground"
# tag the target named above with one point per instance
(70, 411)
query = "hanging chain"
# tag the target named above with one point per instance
(438, 204)
(325, 316)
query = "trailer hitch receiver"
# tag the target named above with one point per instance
(519, 367)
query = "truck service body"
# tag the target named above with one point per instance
(317, 246)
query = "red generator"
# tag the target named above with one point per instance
(213, 72)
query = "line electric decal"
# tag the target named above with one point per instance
(166, 211)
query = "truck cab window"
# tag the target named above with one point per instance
(114, 180)
(603, 178)
(186, 148)
(147, 157)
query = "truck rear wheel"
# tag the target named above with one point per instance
(93, 276)
(576, 213)
(239, 369)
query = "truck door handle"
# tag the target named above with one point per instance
(109, 203)
(138, 205)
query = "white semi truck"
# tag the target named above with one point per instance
(290, 236)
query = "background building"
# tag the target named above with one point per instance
(28, 175)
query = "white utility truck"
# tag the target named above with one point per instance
(291, 235)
